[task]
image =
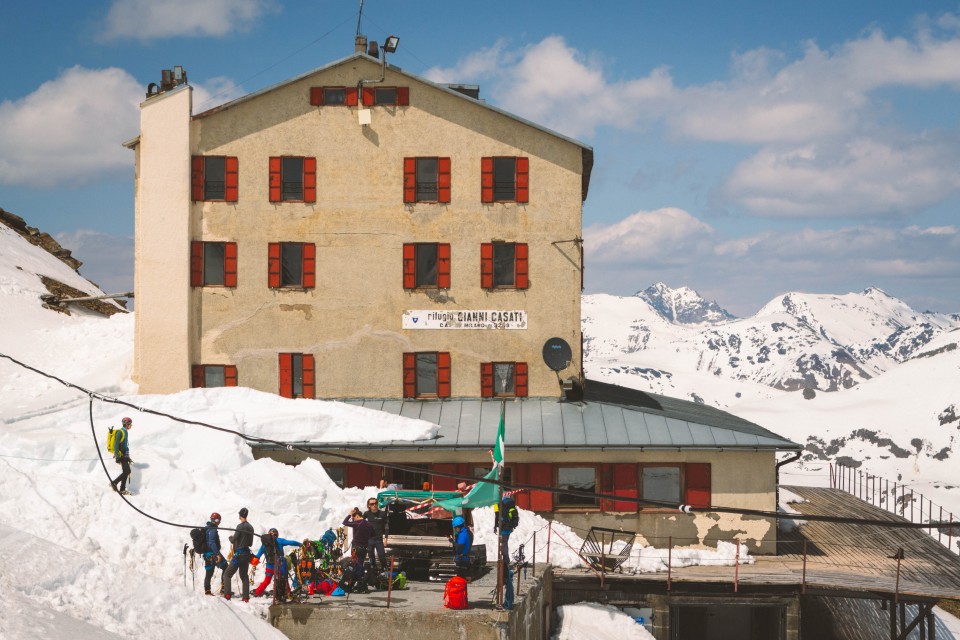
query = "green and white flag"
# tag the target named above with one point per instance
(483, 494)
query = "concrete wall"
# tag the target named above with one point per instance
(533, 614)
(306, 622)
(351, 321)
(162, 276)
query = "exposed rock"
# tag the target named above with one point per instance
(38, 238)
(61, 290)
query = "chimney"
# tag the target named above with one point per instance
(373, 51)
(360, 44)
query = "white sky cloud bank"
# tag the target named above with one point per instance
(70, 129)
(153, 19)
(672, 246)
(826, 142)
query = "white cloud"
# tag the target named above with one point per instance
(745, 272)
(152, 19)
(70, 129)
(864, 177)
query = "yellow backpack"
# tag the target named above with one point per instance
(114, 438)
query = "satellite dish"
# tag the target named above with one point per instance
(557, 353)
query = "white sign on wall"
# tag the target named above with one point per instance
(462, 319)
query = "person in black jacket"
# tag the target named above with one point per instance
(362, 532)
(213, 556)
(242, 540)
(381, 524)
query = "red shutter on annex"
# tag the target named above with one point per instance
(698, 484)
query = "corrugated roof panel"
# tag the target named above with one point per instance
(680, 432)
(724, 437)
(638, 434)
(702, 434)
(532, 423)
(513, 422)
(659, 431)
(552, 423)
(392, 406)
(489, 422)
(414, 409)
(615, 425)
(431, 412)
(594, 425)
(574, 432)
(745, 439)
(469, 424)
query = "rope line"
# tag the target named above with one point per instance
(688, 509)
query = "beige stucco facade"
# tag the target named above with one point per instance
(351, 321)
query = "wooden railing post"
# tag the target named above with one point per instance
(669, 560)
(803, 585)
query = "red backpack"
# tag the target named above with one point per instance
(455, 593)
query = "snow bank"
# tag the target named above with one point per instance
(589, 621)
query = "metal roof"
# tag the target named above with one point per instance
(608, 417)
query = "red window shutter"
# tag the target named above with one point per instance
(360, 475)
(625, 484)
(521, 255)
(540, 474)
(443, 374)
(409, 179)
(275, 165)
(486, 265)
(443, 179)
(273, 265)
(403, 96)
(350, 97)
(309, 179)
(196, 264)
(316, 96)
(606, 486)
(286, 375)
(520, 384)
(197, 376)
(409, 375)
(520, 476)
(368, 96)
(409, 266)
(443, 265)
(523, 179)
(486, 379)
(698, 484)
(230, 264)
(309, 265)
(486, 179)
(230, 375)
(442, 483)
(308, 375)
(232, 179)
(196, 178)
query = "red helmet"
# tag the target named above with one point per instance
(215, 517)
(126, 422)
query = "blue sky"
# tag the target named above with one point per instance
(744, 149)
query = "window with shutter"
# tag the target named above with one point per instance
(698, 484)
(576, 478)
(505, 179)
(426, 265)
(213, 264)
(660, 484)
(214, 375)
(214, 178)
(296, 375)
(291, 264)
(504, 265)
(329, 96)
(426, 374)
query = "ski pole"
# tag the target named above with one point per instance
(185, 565)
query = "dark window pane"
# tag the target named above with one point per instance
(213, 376)
(385, 96)
(292, 179)
(503, 379)
(214, 178)
(504, 179)
(291, 272)
(426, 374)
(580, 479)
(334, 96)
(426, 179)
(213, 259)
(297, 375)
(426, 265)
(336, 473)
(504, 264)
(662, 483)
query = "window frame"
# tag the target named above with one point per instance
(318, 96)
(681, 483)
(411, 266)
(411, 374)
(199, 173)
(199, 375)
(287, 364)
(401, 96)
(488, 266)
(198, 264)
(308, 183)
(308, 266)
(488, 380)
(521, 180)
(412, 179)
(576, 506)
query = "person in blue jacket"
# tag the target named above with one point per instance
(272, 548)
(121, 455)
(462, 542)
(213, 556)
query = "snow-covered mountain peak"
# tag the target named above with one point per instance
(684, 305)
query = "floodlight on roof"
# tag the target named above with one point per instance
(390, 44)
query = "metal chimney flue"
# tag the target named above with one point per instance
(373, 50)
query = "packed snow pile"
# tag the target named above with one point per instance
(788, 498)
(589, 621)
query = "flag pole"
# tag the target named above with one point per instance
(498, 515)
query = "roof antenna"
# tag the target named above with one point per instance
(359, 15)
